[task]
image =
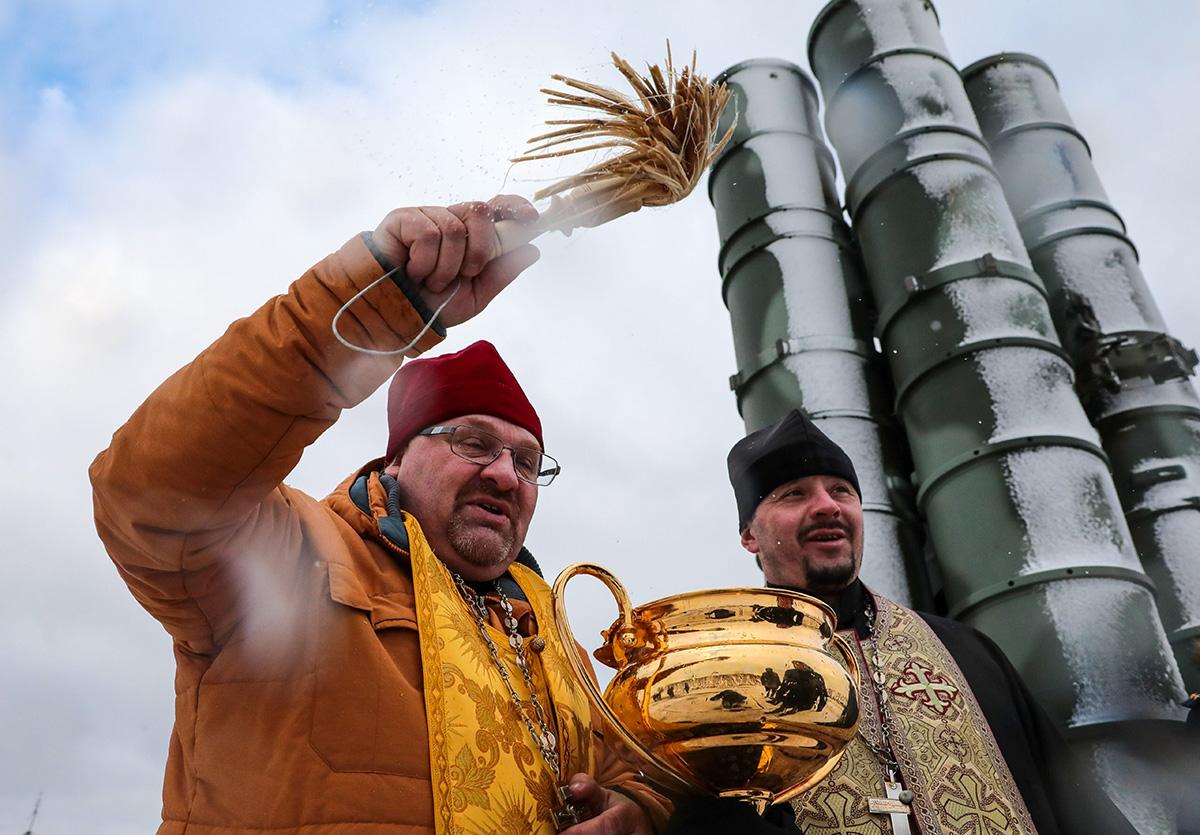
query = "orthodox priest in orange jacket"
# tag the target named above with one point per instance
(380, 661)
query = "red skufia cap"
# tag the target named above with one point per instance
(473, 381)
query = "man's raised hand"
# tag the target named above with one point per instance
(435, 245)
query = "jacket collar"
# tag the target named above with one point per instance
(390, 526)
(368, 492)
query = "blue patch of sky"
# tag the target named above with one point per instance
(97, 53)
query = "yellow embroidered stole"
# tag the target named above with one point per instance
(947, 754)
(487, 775)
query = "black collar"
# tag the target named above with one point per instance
(847, 605)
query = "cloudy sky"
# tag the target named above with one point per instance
(166, 167)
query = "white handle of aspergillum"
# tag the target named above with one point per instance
(587, 205)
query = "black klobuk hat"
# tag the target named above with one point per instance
(790, 448)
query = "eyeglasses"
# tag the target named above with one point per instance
(482, 448)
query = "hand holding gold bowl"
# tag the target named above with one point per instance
(744, 693)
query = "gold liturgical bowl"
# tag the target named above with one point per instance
(743, 693)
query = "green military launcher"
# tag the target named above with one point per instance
(1028, 534)
(1130, 374)
(801, 311)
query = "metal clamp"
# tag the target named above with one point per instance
(1162, 357)
(799, 345)
(1113, 572)
(1028, 222)
(735, 250)
(893, 159)
(906, 385)
(985, 266)
(989, 450)
(1104, 362)
(1043, 124)
(1084, 230)
(732, 148)
(1148, 478)
(1145, 514)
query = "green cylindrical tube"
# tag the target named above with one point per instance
(800, 311)
(1021, 509)
(1132, 376)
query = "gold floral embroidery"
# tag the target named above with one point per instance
(469, 782)
(495, 780)
(557, 667)
(947, 754)
(511, 812)
(574, 738)
(464, 640)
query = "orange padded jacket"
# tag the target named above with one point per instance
(298, 693)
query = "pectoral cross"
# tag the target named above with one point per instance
(568, 814)
(897, 805)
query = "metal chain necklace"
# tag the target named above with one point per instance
(546, 741)
(879, 684)
(898, 800)
(568, 814)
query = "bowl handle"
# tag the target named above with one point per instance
(626, 637)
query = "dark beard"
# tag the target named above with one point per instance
(479, 547)
(831, 576)
(828, 577)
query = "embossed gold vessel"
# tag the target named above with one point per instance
(743, 693)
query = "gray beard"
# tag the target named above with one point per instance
(482, 547)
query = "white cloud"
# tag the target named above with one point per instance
(149, 224)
